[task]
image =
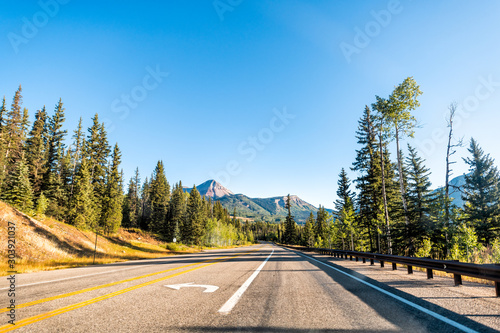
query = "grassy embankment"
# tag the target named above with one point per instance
(47, 244)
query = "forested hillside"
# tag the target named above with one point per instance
(75, 177)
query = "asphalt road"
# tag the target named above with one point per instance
(263, 288)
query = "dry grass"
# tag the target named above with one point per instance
(46, 244)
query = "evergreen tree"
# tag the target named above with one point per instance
(192, 231)
(131, 204)
(347, 219)
(481, 194)
(12, 134)
(145, 209)
(159, 196)
(3, 114)
(369, 202)
(3, 141)
(41, 205)
(219, 212)
(25, 124)
(420, 198)
(343, 192)
(321, 221)
(309, 231)
(290, 235)
(82, 210)
(112, 210)
(36, 150)
(18, 188)
(76, 152)
(176, 213)
(52, 184)
(97, 150)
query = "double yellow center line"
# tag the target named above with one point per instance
(34, 319)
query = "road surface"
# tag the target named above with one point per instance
(262, 288)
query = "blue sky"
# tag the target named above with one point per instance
(261, 94)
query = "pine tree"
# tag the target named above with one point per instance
(76, 153)
(41, 204)
(36, 150)
(25, 124)
(3, 114)
(481, 194)
(12, 134)
(290, 235)
(176, 213)
(192, 231)
(420, 197)
(3, 141)
(159, 196)
(347, 218)
(112, 204)
(343, 192)
(18, 188)
(309, 231)
(131, 204)
(219, 213)
(97, 150)
(52, 183)
(369, 203)
(321, 219)
(82, 210)
(145, 208)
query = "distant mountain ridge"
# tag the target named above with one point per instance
(273, 209)
(268, 209)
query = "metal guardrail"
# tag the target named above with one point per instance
(458, 269)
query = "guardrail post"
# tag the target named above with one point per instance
(357, 259)
(410, 269)
(364, 260)
(458, 279)
(350, 257)
(497, 288)
(394, 266)
(371, 262)
(382, 263)
(430, 275)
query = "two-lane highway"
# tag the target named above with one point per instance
(261, 288)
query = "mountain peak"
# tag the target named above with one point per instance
(211, 188)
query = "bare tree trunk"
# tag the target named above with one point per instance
(449, 151)
(403, 192)
(384, 195)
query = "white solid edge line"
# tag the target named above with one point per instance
(401, 299)
(76, 277)
(229, 305)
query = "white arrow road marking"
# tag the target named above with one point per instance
(208, 288)
(229, 305)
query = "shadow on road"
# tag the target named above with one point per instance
(264, 329)
(386, 306)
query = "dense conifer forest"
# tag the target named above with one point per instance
(76, 178)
